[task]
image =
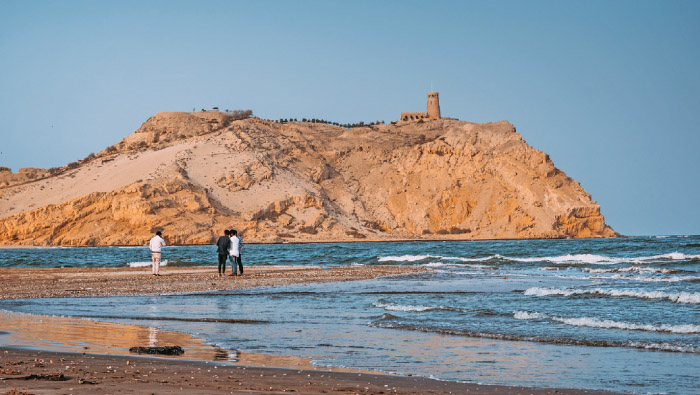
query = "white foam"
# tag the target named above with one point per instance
(525, 315)
(673, 256)
(648, 279)
(671, 279)
(666, 347)
(570, 259)
(482, 259)
(481, 267)
(578, 277)
(398, 307)
(405, 258)
(598, 323)
(582, 258)
(434, 264)
(146, 264)
(634, 269)
(592, 322)
(561, 259)
(676, 297)
(604, 260)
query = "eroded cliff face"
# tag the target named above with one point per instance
(194, 175)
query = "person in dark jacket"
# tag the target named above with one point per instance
(222, 247)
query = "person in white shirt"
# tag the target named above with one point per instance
(240, 253)
(156, 244)
(234, 252)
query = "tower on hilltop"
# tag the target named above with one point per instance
(433, 105)
(433, 110)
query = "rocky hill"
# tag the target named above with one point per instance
(193, 175)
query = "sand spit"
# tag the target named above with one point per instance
(74, 282)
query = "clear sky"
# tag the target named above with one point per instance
(609, 89)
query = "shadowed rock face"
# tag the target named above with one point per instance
(195, 174)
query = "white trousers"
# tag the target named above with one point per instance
(156, 261)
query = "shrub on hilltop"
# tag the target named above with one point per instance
(323, 121)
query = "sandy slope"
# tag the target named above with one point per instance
(103, 175)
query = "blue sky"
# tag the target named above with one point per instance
(610, 89)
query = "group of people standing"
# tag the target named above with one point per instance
(228, 246)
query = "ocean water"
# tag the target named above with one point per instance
(618, 314)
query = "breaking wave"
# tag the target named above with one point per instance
(636, 269)
(434, 264)
(651, 346)
(592, 259)
(406, 258)
(398, 307)
(418, 309)
(525, 315)
(672, 279)
(607, 260)
(591, 322)
(676, 297)
(598, 323)
(164, 262)
(482, 259)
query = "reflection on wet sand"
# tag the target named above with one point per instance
(181, 319)
(66, 334)
(152, 336)
(51, 333)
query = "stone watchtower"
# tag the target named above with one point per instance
(433, 105)
(433, 110)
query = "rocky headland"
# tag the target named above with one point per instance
(193, 175)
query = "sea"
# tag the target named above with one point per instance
(619, 314)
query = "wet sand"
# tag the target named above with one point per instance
(73, 282)
(99, 374)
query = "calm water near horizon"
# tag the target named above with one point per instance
(619, 314)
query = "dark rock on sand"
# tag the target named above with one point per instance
(42, 376)
(166, 350)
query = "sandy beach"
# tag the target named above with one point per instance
(100, 374)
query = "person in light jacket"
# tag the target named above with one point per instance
(155, 245)
(239, 242)
(234, 251)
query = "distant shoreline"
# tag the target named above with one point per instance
(402, 240)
